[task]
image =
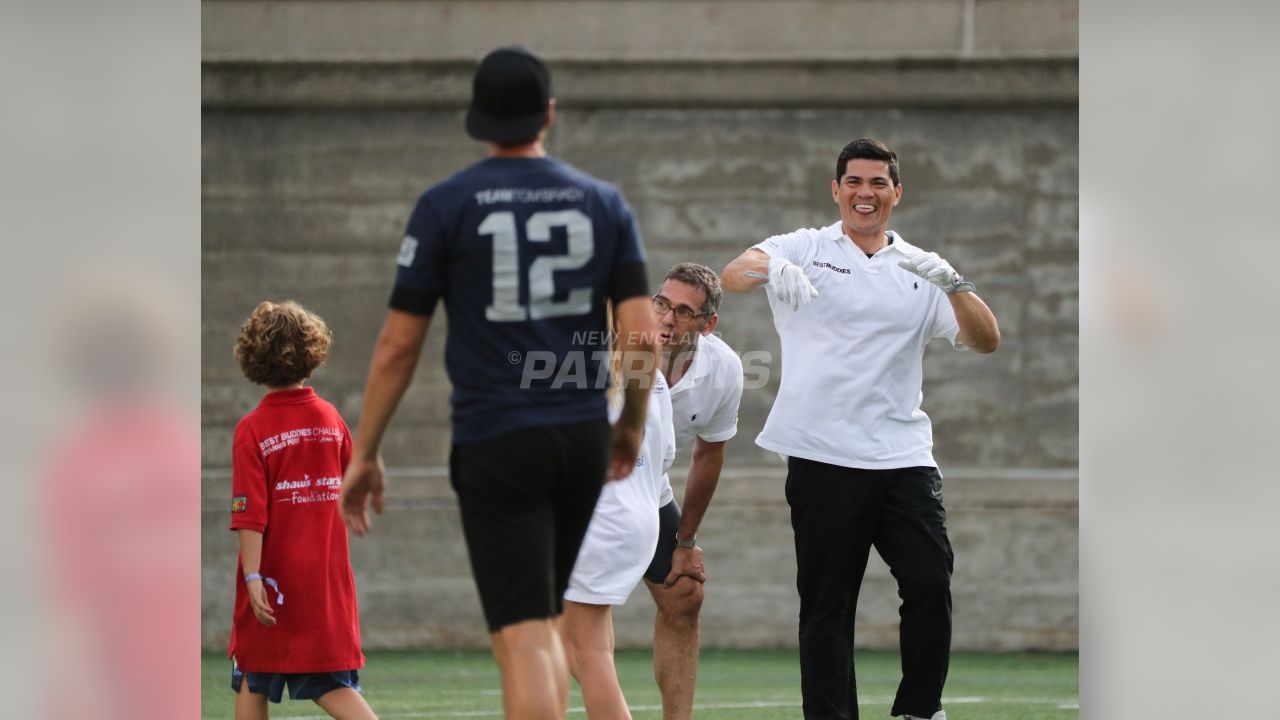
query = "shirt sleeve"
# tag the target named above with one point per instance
(248, 486)
(943, 323)
(421, 270)
(723, 423)
(792, 246)
(628, 277)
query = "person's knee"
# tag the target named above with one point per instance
(522, 638)
(681, 602)
(594, 661)
(936, 583)
(584, 645)
(825, 616)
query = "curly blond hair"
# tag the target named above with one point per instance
(282, 343)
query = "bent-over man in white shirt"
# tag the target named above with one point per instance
(705, 376)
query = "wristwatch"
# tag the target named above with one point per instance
(960, 285)
(690, 543)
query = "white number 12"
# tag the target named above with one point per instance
(506, 305)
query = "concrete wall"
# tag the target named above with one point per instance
(324, 120)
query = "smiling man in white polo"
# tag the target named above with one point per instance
(854, 305)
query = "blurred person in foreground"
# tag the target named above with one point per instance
(705, 377)
(524, 250)
(120, 508)
(616, 553)
(287, 461)
(854, 305)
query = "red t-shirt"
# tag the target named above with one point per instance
(287, 464)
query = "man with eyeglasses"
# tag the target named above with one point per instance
(705, 377)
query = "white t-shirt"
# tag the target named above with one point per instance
(852, 359)
(623, 533)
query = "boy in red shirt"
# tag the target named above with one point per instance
(287, 463)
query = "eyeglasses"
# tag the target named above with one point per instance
(684, 313)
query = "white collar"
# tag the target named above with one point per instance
(698, 368)
(895, 240)
(904, 248)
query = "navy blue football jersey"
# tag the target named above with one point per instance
(524, 252)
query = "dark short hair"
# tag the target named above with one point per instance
(868, 149)
(703, 278)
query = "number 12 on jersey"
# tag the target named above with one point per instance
(506, 305)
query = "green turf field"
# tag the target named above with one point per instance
(747, 685)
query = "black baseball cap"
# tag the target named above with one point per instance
(509, 96)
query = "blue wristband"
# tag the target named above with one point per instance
(269, 581)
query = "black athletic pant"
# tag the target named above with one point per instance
(838, 514)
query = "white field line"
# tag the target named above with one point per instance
(1061, 704)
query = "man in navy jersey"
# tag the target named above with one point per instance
(525, 251)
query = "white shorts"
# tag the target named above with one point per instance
(623, 533)
(619, 544)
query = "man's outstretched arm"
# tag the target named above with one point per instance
(735, 278)
(395, 356)
(978, 329)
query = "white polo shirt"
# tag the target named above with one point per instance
(705, 400)
(852, 359)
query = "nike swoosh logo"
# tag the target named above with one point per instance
(936, 493)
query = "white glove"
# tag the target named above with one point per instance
(789, 283)
(935, 270)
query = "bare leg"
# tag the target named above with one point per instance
(535, 676)
(587, 631)
(675, 644)
(250, 706)
(345, 704)
(561, 668)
